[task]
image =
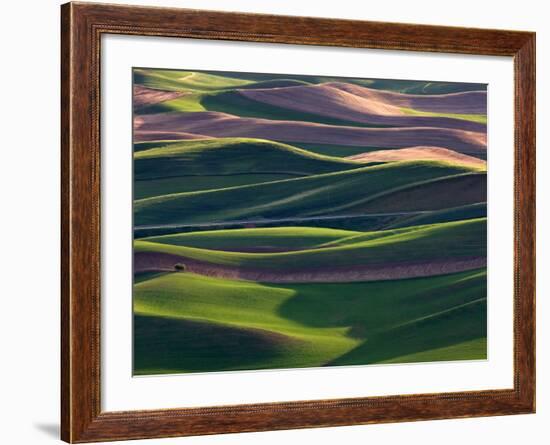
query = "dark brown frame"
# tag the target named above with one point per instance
(82, 25)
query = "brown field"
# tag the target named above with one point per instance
(470, 102)
(439, 194)
(164, 262)
(338, 103)
(419, 154)
(215, 124)
(144, 97)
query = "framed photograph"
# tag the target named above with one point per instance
(275, 222)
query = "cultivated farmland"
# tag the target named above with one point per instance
(288, 221)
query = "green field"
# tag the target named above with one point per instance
(460, 239)
(213, 92)
(220, 80)
(168, 167)
(339, 151)
(247, 325)
(326, 193)
(256, 254)
(171, 80)
(480, 118)
(232, 102)
(231, 156)
(282, 237)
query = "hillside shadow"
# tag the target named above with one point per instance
(450, 328)
(397, 318)
(167, 345)
(371, 307)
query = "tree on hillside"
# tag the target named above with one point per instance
(180, 267)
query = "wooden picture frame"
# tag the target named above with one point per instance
(82, 26)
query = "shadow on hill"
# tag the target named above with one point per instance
(463, 324)
(440, 194)
(374, 307)
(167, 345)
(232, 102)
(470, 211)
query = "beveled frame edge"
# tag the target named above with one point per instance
(82, 25)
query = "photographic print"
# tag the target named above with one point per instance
(292, 221)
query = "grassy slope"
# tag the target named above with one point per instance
(308, 196)
(185, 166)
(189, 103)
(232, 156)
(281, 237)
(175, 80)
(436, 194)
(203, 81)
(212, 92)
(186, 322)
(423, 87)
(361, 223)
(275, 83)
(236, 104)
(471, 211)
(444, 241)
(229, 101)
(339, 151)
(401, 86)
(182, 184)
(480, 118)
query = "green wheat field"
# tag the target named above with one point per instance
(285, 221)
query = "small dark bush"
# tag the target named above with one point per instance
(180, 267)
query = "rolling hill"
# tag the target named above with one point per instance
(168, 125)
(232, 156)
(436, 194)
(184, 166)
(419, 154)
(338, 103)
(176, 80)
(257, 239)
(308, 196)
(416, 87)
(322, 103)
(410, 252)
(236, 102)
(464, 102)
(287, 221)
(189, 323)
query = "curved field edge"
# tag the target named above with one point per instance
(210, 324)
(231, 156)
(179, 80)
(187, 319)
(444, 241)
(168, 167)
(285, 238)
(211, 92)
(470, 211)
(419, 87)
(305, 196)
(479, 118)
(178, 125)
(330, 102)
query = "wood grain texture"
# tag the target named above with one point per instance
(82, 27)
